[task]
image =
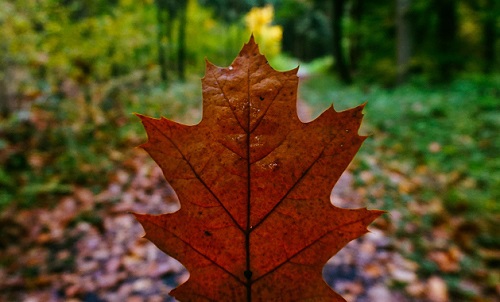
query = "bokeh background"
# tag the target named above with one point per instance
(73, 72)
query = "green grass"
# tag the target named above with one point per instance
(451, 130)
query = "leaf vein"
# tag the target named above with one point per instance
(198, 176)
(308, 246)
(199, 252)
(227, 99)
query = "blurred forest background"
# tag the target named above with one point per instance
(73, 72)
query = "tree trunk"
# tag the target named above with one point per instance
(404, 39)
(7, 100)
(489, 36)
(338, 53)
(355, 51)
(160, 35)
(181, 42)
(5, 108)
(446, 38)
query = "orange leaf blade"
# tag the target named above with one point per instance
(256, 222)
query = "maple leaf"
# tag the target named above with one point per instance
(254, 182)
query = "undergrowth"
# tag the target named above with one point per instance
(61, 141)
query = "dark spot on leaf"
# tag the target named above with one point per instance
(248, 274)
(207, 233)
(261, 98)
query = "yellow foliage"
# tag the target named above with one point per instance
(259, 22)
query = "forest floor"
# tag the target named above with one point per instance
(88, 247)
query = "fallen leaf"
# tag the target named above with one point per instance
(447, 261)
(437, 291)
(379, 292)
(416, 289)
(254, 182)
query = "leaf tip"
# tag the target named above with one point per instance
(142, 218)
(293, 71)
(378, 212)
(208, 65)
(143, 117)
(136, 215)
(251, 47)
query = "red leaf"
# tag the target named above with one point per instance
(256, 222)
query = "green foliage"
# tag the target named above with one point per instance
(306, 28)
(209, 38)
(229, 11)
(49, 46)
(449, 130)
(40, 161)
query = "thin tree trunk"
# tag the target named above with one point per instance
(160, 35)
(7, 100)
(5, 108)
(404, 39)
(447, 28)
(181, 50)
(489, 36)
(169, 25)
(355, 49)
(338, 53)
